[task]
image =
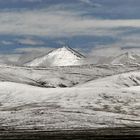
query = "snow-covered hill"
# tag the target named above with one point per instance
(53, 77)
(64, 56)
(60, 76)
(104, 102)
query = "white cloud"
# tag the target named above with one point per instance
(125, 43)
(130, 41)
(31, 53)
(33, 50)
(86, 1)
(9, 58)
(32, 0)
(4, 42)
(30, 41)
(90, 3)
(24, 1)
(58, 23)
(106, 50)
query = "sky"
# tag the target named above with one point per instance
(35, 25)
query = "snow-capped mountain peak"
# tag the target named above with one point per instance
(64, 56)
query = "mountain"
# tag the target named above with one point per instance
(126, 58)
(64, 56)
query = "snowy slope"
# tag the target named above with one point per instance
(128, 79)
(112, 101)
(52, 77)
(59, 76)
(64, 56)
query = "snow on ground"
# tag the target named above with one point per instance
(110, 101)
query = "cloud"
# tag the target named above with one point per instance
(106, 50)
(30, 53)
(126, 44)
(90, 3)
(30, 41)
(113, 51)
(33, 50)
(86, 1)
(5, 42)
(130, 41)
(14, 1)
(31, 0)
(106, 54)
(23, 55)
(58, 23)
(9, 58)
